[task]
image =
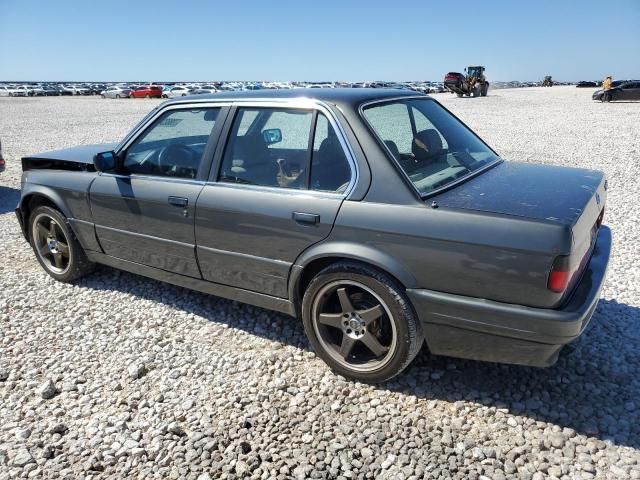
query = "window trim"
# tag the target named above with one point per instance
(287, 104)
(422, 196)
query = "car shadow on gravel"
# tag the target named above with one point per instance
(594, 390)
(8, 199)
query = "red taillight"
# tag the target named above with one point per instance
(559, 276)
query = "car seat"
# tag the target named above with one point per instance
(330, 170)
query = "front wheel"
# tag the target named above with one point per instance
(55, 245)
(360, 322)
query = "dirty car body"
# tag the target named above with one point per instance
(497, 261)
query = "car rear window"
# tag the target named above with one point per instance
(432, 147)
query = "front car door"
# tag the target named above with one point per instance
(279, 183)
(146, 213)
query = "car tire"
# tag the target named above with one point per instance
(103, 96)
(50, 236)
(147, 96)
(360, 322)
(117, 96)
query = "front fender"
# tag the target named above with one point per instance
(70, 199)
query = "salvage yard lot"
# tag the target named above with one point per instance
(154, 381)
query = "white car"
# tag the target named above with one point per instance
(116, 92)
(35, 90)
(5, 91)
(177, 91)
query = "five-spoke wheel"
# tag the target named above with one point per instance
(359, 321)
(55, 245)
(51, 243)
(354, 325)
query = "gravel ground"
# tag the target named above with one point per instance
(119, 376)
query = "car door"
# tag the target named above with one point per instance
(632, 91)
(145, 213)
(267, 201)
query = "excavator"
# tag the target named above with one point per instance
(472, 83)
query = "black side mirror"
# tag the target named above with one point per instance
(272, 135)
(106, 162)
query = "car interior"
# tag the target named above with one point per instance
(169, 148)
(264, 156)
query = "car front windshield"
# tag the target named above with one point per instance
(431, 146)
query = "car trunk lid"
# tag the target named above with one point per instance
(542, 192)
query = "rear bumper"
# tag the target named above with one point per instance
(481, 329)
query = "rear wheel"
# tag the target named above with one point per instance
(360, 322)
(459, 95)
(55, 245)
(117, 95)
(147, 96)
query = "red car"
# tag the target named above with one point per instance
(148, 91)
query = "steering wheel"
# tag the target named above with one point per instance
(177, 157)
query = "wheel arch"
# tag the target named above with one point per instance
(39, 195)
(312, 261)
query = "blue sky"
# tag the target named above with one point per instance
(316, 40)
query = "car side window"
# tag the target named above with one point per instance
(174, 145)
(330, 171)
(268, 147)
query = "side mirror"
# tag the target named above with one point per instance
(105, 161)
(272, 135)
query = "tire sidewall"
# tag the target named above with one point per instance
(401, 310)
(77, 259)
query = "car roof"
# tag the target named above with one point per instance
(348, 97)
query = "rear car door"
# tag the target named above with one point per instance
(281, 179)
(146, 213)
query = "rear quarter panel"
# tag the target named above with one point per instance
(496, 257)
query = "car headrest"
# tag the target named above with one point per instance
(431, 144)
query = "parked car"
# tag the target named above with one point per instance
(628, 90)
(2, 161)
(35, 91)
(177, 91)
(116, 92)
(203, 91)
(5, 91)
(391, 224)
(20, 91)
(51, 91)
(584, 84)
(67, 90)
(147, 91)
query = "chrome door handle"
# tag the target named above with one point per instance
(178, 201)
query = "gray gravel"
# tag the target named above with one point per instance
(119, 376)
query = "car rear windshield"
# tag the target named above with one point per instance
(432, 147)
